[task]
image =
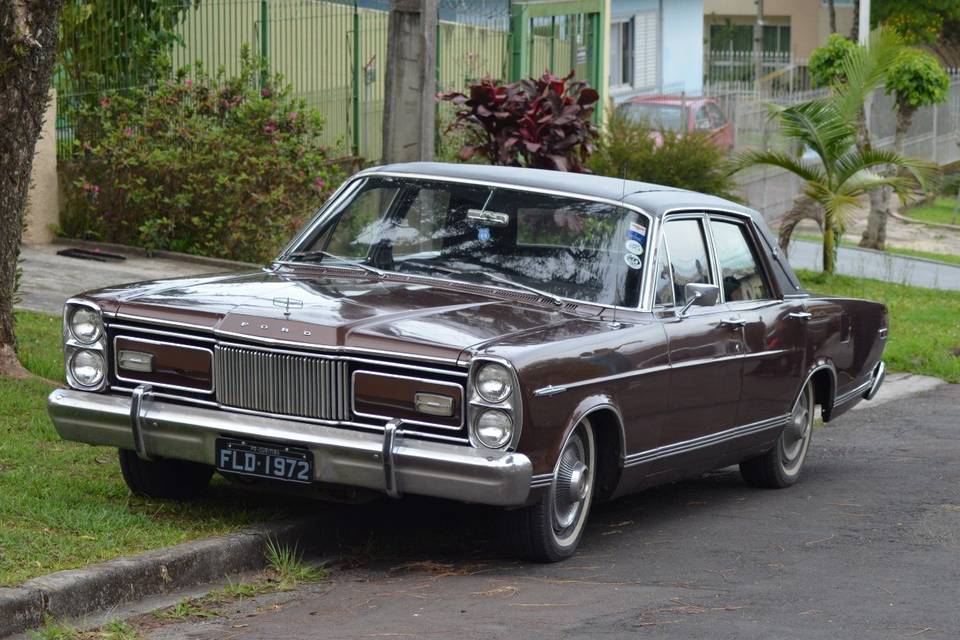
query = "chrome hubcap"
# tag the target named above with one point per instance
(797, 432)
(572, 484)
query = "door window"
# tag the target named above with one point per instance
(740, 270)
(688, 255)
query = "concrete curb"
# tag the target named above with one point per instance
(170, 255)
(75, 593)
(936, 225)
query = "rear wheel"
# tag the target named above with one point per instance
(551, 529)
(169, 479)
(780, 467)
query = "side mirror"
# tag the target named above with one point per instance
(701, 295)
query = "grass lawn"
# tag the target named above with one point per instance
(63, 504)
(940, 211)
(924, 323)
(949, 258)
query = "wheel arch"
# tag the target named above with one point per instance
(823, 376)
(608, 431)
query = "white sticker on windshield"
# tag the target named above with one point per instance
(634, 247)
(633, 261)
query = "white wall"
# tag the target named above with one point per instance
(681, 40)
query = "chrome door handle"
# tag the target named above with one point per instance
(736, 323)
(800, 315)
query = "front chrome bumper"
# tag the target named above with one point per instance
(386, 462)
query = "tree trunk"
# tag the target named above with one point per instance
(875, 235)
(829, 248)
(833, 16)
(28, 44)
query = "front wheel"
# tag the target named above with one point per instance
(550, 530)
(169, 479)
(780, 467)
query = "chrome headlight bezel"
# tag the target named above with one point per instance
(93, 318)
(73, 344)
(496, 373)
(510, 404)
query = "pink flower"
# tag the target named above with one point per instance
(104, 102)
(293, 116)
(319, 182)
(270, 128)
(188, 82)
(128, 132)
(265, 92)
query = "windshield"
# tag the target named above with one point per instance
(657, 116)
(563, 247)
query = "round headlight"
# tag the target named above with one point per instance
(494, 428)
(87, 368)
(85, 325)
(494, 382)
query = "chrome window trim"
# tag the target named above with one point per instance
(116, 371)
(747, 223)
(701, 216)
(422, 423)
(329, 423)
(324, 212)
(686, 446)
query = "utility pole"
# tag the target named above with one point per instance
(758, 47)
(411, 81)
(863, 22)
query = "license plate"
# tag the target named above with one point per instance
(265, 460)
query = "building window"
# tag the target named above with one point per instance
(621, 53)
(739, 37)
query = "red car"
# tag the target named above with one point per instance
(681, 113)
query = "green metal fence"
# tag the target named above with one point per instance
(331, 51)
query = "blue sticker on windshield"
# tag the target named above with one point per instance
(483, 234)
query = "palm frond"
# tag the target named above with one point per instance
(804, 170)
(817, 124)
(864, 70)
(850, 164)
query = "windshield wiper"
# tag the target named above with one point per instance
(309, 255)
(428, 264)
(557, 300)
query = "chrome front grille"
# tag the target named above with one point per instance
(282, 383)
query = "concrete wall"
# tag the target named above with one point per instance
(43, 203)
(681, 40)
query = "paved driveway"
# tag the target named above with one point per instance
(866, 546)
(49, 279)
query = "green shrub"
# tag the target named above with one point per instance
(212, 165)
(826, 62)
(687, 161)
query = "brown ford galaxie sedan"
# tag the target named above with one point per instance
(513, 337)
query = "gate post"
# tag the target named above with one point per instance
(411, 81)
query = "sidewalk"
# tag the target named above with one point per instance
(866, 263)
(49, 279)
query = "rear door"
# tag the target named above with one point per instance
(773, 338)
(705, 351)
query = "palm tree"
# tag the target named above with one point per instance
(844, 169)
(841, 174)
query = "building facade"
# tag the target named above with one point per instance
(655, 46)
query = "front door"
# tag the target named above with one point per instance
(705, 350)
(773, 338)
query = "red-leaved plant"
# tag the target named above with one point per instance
(543, 124)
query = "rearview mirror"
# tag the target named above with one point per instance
(701, 295)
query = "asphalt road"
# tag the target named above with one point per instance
(867, 545)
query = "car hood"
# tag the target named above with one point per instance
(411, 316)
